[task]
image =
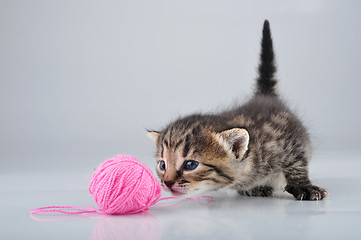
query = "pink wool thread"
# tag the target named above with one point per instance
(120, 185)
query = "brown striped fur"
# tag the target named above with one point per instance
(255, 148)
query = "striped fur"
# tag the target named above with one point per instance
(253, 148)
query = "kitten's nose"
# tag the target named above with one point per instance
(169, 183)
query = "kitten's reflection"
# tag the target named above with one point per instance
(138, 226)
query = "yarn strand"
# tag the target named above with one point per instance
(84, 210)
(56, 209)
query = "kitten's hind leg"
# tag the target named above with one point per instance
(310, 192)
(300, 186)
(261, 191)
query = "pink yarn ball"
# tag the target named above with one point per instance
(123, 185)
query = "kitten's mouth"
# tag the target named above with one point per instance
(176, 193)
(175, 190)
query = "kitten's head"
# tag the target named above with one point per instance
(194, 154)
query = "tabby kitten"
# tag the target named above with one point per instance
(252, 148)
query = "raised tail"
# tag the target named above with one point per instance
(266, 81)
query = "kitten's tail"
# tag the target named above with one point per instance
(266, 81)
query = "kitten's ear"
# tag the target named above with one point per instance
(154, 135)
(235, 139)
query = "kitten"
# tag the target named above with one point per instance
(251, 148)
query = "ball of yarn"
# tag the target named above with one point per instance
(123, 185)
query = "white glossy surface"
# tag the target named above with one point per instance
(228, 217)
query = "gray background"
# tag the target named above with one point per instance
(80, 81)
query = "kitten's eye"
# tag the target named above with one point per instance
(190, 165)
(162, 165)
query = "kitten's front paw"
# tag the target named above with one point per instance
(307, 192)
(263, 191)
